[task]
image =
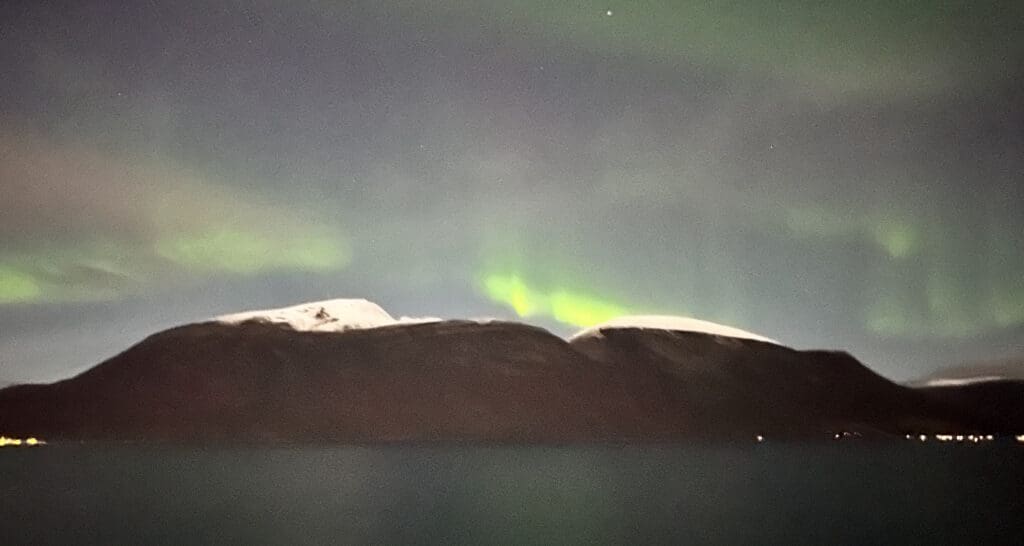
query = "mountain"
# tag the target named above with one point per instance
(346, 371)
(993, 390)
(997, 404)
(1005, 369)
(453, 380)
(738, 385)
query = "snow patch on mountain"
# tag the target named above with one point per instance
(962, 381)
(335, 315)
(669, 322)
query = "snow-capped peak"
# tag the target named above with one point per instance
(325, 316)
(669, 322)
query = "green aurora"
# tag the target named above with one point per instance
(245, 253)
(111, 270)
(566, 306)
(832, 174)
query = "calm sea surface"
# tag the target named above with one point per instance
(759, 494)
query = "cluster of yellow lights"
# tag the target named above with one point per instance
(972, 438)
(5, 441)
(975, 438)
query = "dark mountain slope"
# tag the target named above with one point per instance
(746, 385)
(470, 381)
(423, 382)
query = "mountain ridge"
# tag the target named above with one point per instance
(431, 380)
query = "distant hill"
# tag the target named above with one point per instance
(1010, 369)
(994, 389)
(345, 371)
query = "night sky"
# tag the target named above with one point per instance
(842, 174)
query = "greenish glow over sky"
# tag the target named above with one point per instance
(1007, 307)
(943, 306)
(897, 237)
(92, 270)
(246, 253)
(17, 286)
(830, 173)
(106, 270)
(565, 306)
(581, 309)
(512, 291)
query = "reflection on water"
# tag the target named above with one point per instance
(760, 493)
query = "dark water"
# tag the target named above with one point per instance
(759, 494)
